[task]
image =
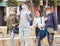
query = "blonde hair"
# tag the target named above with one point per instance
(47, 8)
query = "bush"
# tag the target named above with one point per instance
(13, 3)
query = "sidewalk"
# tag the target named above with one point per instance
(32, 38)
(57, 42)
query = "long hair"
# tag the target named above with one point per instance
(40, 13)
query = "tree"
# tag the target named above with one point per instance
(51, 2)
(13, 3)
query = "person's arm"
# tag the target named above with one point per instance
(16, 21)
(46, 19)
(8, 22)
(18, 16)
(29, 15)
(34, 23)
(55, 22)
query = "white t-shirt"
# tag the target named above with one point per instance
(37, 20)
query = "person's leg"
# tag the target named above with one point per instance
(37, 31)
(11, 38)
(39, 38)
(39, 42)
(50, 38)
(26, 36)
(21, 36)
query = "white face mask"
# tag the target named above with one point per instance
(48, 12)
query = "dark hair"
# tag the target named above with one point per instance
(40, 13)
(24, 2)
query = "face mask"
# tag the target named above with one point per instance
(48, 13)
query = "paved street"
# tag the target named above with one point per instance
(57, 43)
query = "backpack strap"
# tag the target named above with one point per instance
(41, 20)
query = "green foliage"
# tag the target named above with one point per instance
(50, 2)
(13, 3)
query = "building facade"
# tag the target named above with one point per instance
(2, 12)
(5, 10)
(58, 11)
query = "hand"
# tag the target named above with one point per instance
(46, 19)
(13, 24)
(34, 26)
(55, 32)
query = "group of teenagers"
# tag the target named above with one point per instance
(40, 22)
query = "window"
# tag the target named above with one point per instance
(58, 13)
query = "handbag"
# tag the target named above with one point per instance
(16, 30)
(42, 31)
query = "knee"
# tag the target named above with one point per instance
(11, 38)
(50, 40)
(21, 38)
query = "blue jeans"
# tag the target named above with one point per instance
(38, 35)
(11, 38)
(24, 36)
